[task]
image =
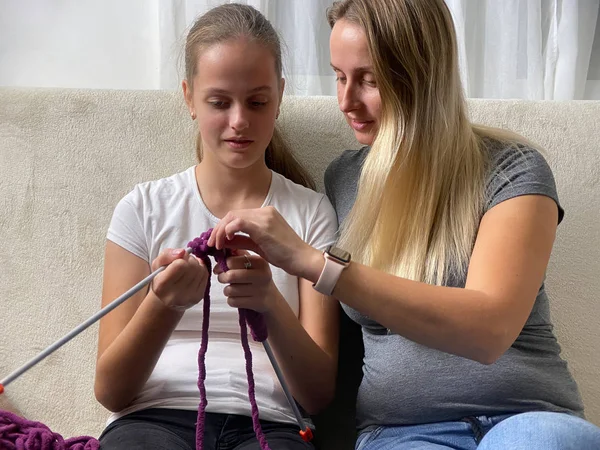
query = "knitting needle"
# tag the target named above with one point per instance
(97, 316)
(305, 432)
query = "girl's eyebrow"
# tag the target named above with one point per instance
(218, 91)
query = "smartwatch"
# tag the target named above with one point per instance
(336, 260)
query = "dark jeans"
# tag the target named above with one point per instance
(170, 429)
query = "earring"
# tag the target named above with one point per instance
(193, 115)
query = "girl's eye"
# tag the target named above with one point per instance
(218, 104)
(340, 79)
(257, 104)
(369, 82)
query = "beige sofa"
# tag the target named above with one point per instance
(68, 156)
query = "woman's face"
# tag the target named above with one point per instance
(357, 91)
(236, 95)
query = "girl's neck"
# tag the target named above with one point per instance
(224, 189)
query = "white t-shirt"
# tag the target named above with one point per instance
(168, 213)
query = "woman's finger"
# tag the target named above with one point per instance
(241, 242)
(216, 237)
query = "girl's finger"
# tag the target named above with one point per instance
(240, 302)
(239, 290)
(243, 276)
(243, 262)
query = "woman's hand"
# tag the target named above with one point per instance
(270, 236)
(249, 283)
(181, 285)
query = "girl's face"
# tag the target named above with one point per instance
(357, 91)
(236, 95)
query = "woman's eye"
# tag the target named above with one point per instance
(257, 104)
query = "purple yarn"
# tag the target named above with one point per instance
(243, 315)
(258, 329)
(17, 433)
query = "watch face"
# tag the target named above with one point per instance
(338, 253)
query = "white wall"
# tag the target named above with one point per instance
(64, 43)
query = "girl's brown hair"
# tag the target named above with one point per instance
(233, 21)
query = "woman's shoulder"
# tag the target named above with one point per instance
(348, 159)
(503, 152)
(345, 169)
(515, 169)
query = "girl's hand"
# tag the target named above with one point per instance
(249, 282)
(181, 285)
(271, 237)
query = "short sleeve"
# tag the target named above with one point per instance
(517, 171)
(323, 227)
(328, 181)
(126, 226)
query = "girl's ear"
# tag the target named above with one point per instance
(281, 89)
(188, 96)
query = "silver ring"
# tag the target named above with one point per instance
(247, 264)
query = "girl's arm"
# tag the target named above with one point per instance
(479, 322)
(307, 349)
(306, 346)
(132, 337)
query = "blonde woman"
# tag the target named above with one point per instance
(446, 232)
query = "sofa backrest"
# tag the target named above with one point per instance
(68, 156)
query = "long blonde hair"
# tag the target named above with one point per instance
(231, 21)
(421, 190)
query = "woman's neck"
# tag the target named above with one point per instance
(224, 189)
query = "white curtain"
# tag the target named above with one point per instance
(301, 24)
(533, 49)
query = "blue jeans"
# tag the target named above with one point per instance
(526, 431)
(171, 429)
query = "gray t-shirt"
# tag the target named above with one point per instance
(407, 383)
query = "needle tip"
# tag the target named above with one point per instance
(306, 434)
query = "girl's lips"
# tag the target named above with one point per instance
(238, 143)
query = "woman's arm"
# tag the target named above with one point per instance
(132, 337)
(479, 322)
(305, 347)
